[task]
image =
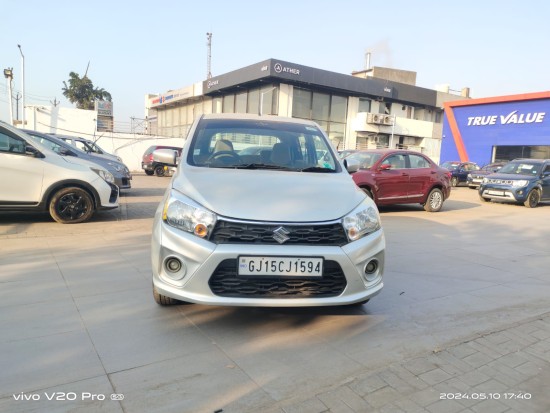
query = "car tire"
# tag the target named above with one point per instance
(533, 198)
(454, 181)
(434, 201)
(71, 205)
(150, 173)
(163, 299)
(159, 170)
(368, 193)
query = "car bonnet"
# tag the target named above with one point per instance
(266, 195)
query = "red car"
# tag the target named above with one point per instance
(395, 176)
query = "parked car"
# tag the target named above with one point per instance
(525, 181)
(120, 171)
(474, 178)
(398, 176)
(34, 178)
(459, 170)
(151, 167)
(88, 146)
(236, 230)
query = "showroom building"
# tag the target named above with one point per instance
(497, 129)
(376, 107)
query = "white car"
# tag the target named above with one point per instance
(34, 178)
(253, 230)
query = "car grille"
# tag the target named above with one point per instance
(224, 282)
(500, 181)
(231, 232)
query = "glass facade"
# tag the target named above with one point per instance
(329, 111)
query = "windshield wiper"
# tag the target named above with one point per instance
(317, 169)
(261, 166)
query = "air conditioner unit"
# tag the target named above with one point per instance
(388, 120)
(373, 118)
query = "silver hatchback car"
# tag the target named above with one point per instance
(276, 227)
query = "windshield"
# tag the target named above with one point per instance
(260, 144)
(451, 166)
(520, 168)
(365, 159)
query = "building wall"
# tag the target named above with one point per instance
(472, 128)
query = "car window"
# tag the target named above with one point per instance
(257, 144)
(396, 161)
(11, 144)
(365, 159)
(417, 161)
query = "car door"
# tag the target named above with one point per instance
(392, 185)
(421, 176)
(22, 174)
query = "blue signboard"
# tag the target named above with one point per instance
(480, 125)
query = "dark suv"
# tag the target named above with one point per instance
(394, 176)
(150, 166)
(522, 180)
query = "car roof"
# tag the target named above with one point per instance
(533, 160)
(252, 117)
(388, 151)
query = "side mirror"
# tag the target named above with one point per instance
(66, 152)
(32, 151)
(166, 156)
(385, 167)
(351, 165)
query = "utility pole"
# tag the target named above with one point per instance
(209, 57)
(22, 85)
(55, 102)
(8, 74)
(17, 97)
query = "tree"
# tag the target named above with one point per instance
(81, 91)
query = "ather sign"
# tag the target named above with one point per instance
(512, 118)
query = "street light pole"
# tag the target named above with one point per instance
(22, 86)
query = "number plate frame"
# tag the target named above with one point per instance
(279, 266)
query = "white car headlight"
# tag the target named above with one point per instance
(362, 221)
(105, 175)
(188, 217)
(519, 183)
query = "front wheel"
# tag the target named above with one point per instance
(71, 206)
(454, 181)
(434, 201)
(163, 299)
(368, 193)
(150, 173)
(533, 199)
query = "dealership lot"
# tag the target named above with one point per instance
(465, 309)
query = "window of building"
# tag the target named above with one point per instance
(253, 101)
(364, 105)
(229, 104)
(320, 107)
(338, 109)
(240, 102)
(301, 103)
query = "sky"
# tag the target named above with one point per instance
(134, 48)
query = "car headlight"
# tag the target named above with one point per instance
(485, 180)
(187, 216)
(361, 221)
(520, 183)
(117, 167)
(469, 176)
(105, 175)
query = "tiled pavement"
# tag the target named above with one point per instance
(502, 371)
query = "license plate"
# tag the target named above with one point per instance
(501, 193)
(281, 266)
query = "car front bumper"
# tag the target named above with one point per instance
(504, 193)
(203, 258)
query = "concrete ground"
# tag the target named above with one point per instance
(462, 325)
